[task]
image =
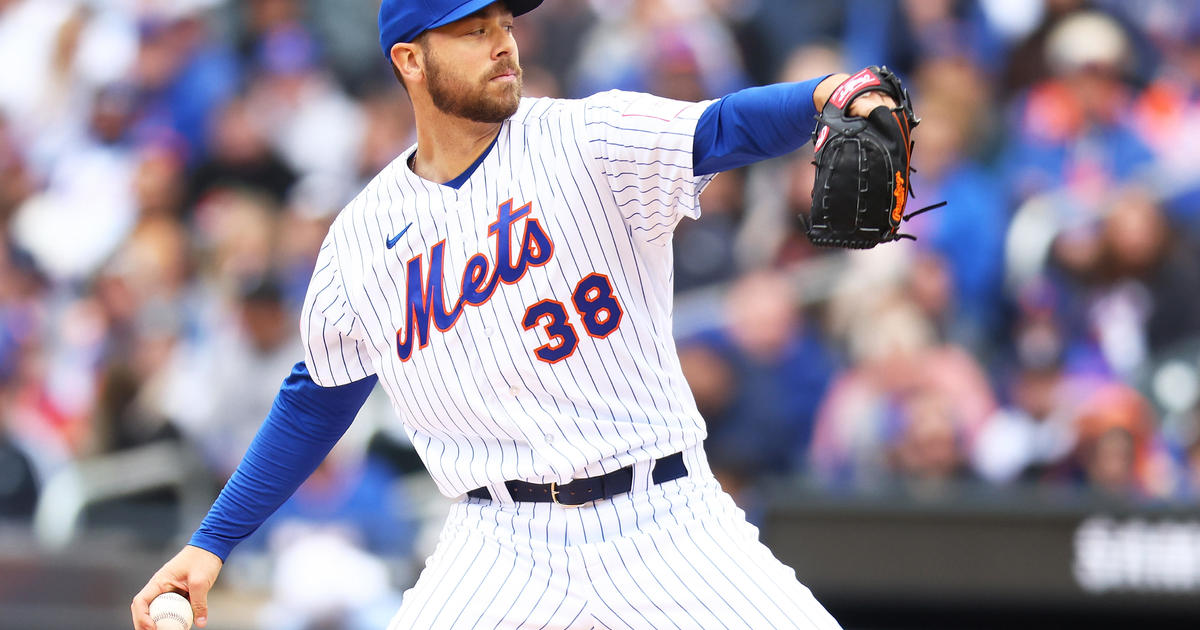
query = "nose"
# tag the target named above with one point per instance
(505, 46)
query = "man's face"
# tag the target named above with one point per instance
(472, 68)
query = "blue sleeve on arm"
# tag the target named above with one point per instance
(300, 430)
(754, 124)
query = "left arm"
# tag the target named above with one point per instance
(760, 123)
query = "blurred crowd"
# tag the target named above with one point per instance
(168, 169)
(1042, 329)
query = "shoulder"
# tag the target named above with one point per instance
(533, 111)
(537, 111)
(623, 104)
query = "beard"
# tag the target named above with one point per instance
(458, 97)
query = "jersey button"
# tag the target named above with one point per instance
(549, 438)
(514, 390)
(488, 331)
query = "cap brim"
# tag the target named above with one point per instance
(518, 7)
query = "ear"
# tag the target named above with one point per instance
(409, 62)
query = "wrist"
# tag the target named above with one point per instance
(826, 87)
(196, 551)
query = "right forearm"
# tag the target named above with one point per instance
(302, 427)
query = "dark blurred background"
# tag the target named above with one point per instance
(995, 426)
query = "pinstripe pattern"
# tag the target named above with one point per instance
(679, 555)
(479, 405)
(577, 189)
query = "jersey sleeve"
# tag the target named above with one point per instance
(645, 143)
(334, 349)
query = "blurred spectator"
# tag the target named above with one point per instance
(969, 234)
(1036, 429)
(1150, 274)
(87, 207)
(772, 30)
(39, 416)
(388, 131)
(123, 420)
(902, 33)
(237, 233)
(148, 277)
(159, 183)
(1073, 128)
(340, 546)
(221, 389)
(694, 56)
(19, 323)
(896, 361)
(549, 39)
(241, 157)
(1191, 470)
(31, 446)
(21, 313)
(16, 180)
(771, 370)
(1027, 63)
(1124, 283)
(1168, 111)
(931, 289)
(57, 54)
(1119, 453)
(257, 19)
(140, 301)
(354, 496)
(929, 450)
(779, 201)
(18, 485)
(354, 58)
(313, 124)
(301, 231)
(704, 249)
(183, 76)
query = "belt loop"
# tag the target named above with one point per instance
(669, 468)
(500, 493)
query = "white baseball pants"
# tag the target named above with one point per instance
(678, 555)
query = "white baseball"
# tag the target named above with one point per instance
(171, 611)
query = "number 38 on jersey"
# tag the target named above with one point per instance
(598, 310)
(593, 301)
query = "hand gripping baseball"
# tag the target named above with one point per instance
(192, 571)
(863, 165)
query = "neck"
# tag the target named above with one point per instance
(447, 145)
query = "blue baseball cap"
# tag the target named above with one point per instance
(404, 20)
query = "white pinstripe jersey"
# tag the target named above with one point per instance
(521, 325)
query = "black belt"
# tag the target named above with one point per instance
(581, 491)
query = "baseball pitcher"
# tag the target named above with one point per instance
(507, 280)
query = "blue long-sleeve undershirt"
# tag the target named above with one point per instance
(304, 423)
(307, 420)
(754, 124)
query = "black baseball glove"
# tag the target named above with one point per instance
(862, 184)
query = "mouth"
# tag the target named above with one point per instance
(506, 76)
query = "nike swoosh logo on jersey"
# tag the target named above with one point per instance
(391, 242)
